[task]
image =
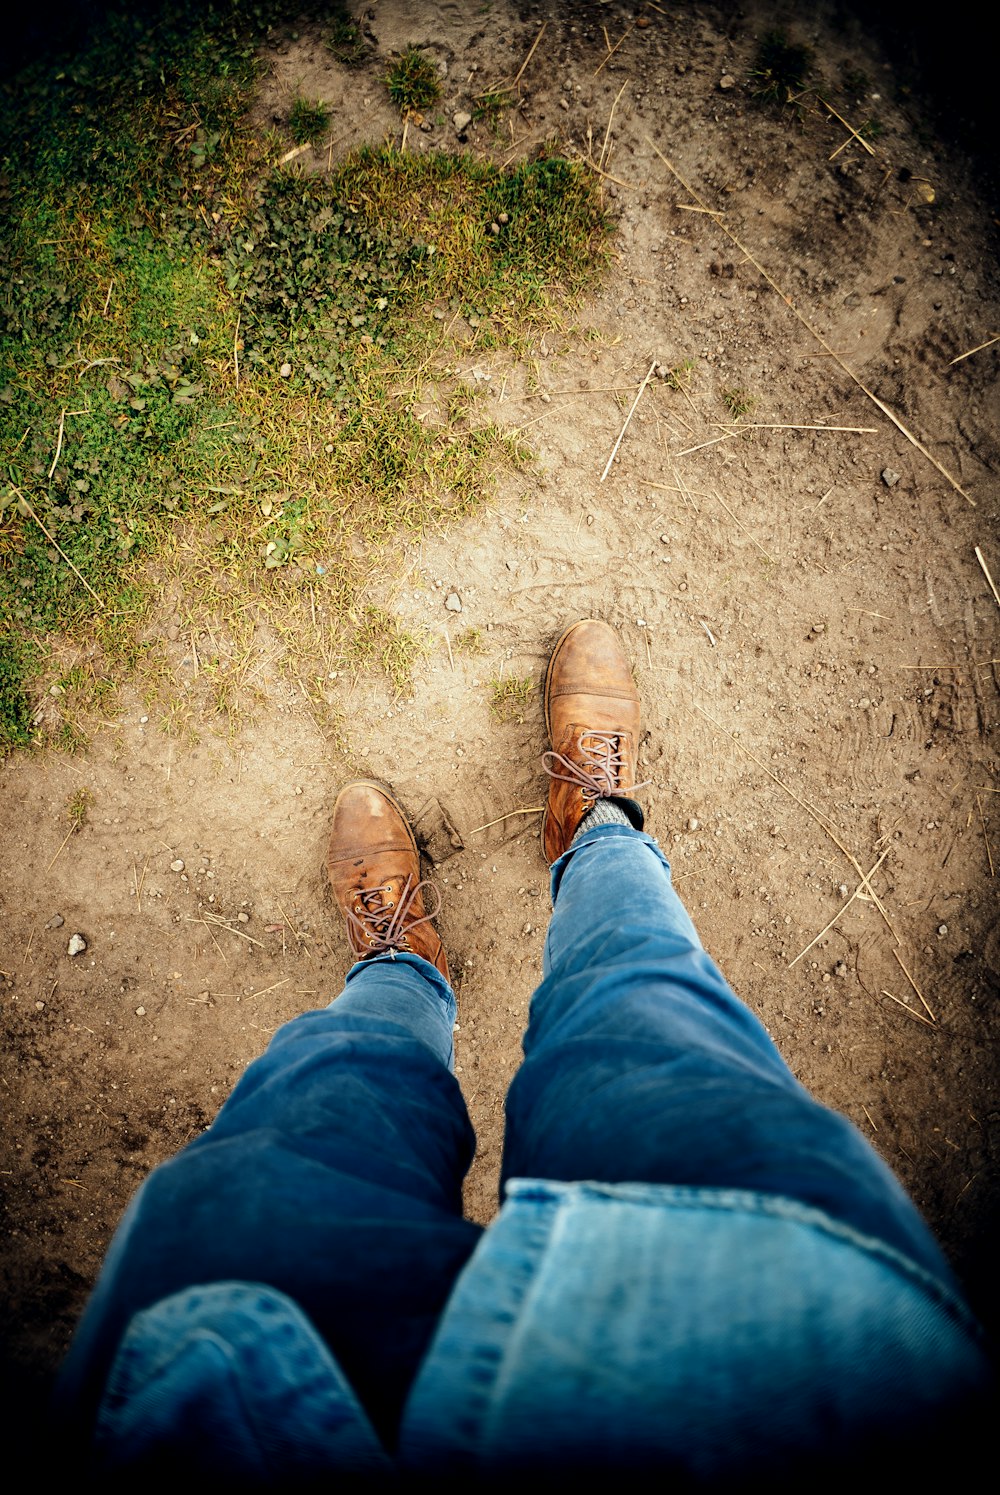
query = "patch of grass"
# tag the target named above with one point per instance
(307, 121)
(490, 107)
(681, 375)
(780, 71)
(378, 639)
(510, 697)
(78, 806)
(854, 80)
(155, 280)
(470, 641)
(345, 39)
(413, 82)
(739, 402)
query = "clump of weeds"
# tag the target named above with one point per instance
(308, 121)
(739, 402)
(510, 697)
(413, 82)
(781, 70)
(492, 106)
(206, 366)
(470, 640)
(345, 38)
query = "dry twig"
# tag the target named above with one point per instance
(916, 988)
(840, 912)
(532, 810)
(977, 349)
(986, 572)
(907, 1008)
(614, 449)
(879, 404)
(817, 815)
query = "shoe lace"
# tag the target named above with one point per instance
(384, 926)
(598, 769)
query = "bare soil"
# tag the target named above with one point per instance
(815, 642)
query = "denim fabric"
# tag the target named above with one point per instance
(766, 1233)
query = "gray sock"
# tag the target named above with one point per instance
(604, 812)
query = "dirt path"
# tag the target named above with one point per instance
(814, 639)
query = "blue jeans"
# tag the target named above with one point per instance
(332, 1177)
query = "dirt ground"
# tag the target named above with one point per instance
(814, 639)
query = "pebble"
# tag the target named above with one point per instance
(56, 922)
(242, 917)
(140, 1012)
(462, 120)
(664, 539)
(840, 969)
(693, 823)
(942, 929)
(39, 1006)
(726, 82)
(453, 602)
(285, 371)
(889, 477)
(77, 945)
(177, 866)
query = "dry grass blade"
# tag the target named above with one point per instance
(52, 541)
(986, 572)
(907, 1008)
(816, 815)
(977, 349)
(869, 394)
(916, 988)
(532, 810)
(852, 132)
(621, 433)
(839, 914)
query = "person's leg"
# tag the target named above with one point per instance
(333, 1173)
(641, 1065)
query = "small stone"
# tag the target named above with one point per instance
(693, 823)
(942, 929)
(77, 945)
(140, 1012)
(664, 539)
(462, 120)
(177, 866)
(526, 929)
(864, 703)
(39, 1006)
(285, 371)
(503, 218)
(453, 602)
(494, 228)
(819, 628)
(840, 969)
(889, 477)
(726, 82)
(243, 917)
(590, 520)
(564, 104)
(56, 922)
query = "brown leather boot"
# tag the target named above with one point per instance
(592, 716)
(374, 870)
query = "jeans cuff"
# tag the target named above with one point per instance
(417, 963)
(599, 833)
